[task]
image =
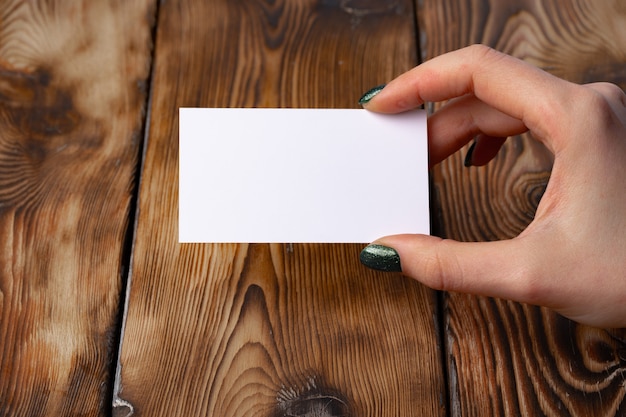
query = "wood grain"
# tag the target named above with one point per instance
(513, 359)
(72, 89)
(505, 358)
(270, 330)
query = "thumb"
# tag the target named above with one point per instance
(495, 269)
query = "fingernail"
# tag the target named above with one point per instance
(370, 94)
(381, 258)
(468, 157)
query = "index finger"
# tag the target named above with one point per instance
(507, 84)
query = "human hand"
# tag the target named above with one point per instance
(572, 257)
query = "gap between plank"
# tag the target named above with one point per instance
(114, 402)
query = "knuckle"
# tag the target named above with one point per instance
(441, 271)
(612, 92)
(599, 106)
(481, 51)
(485, 55)
(531, 274)
(532, 288)
(581, 109)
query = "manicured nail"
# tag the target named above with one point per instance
(370, 94)
(468, 157)
(381, 258)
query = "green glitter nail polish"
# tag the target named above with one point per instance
(468, 158)
(381, 258)
(370, 94)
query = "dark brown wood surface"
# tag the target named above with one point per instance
(72, 92)
(270, 330)
(505, 358)
(264, 330)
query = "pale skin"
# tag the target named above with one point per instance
(572, 257)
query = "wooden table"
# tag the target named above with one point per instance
(103, 312)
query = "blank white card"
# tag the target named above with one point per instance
(301, 175)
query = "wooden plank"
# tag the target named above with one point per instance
(270, 330)
(72, 77)
(505, 358)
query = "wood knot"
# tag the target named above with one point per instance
(311, 401)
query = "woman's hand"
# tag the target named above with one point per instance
(572, 257)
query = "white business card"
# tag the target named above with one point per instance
(301, 175)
